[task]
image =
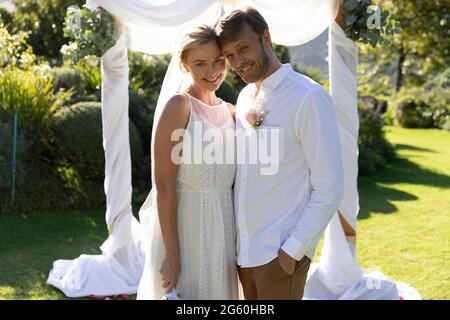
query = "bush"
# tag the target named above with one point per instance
(147, 74)
(78, 139)
(79, 153)
(37, 186)
(374, 149)
(388, 117)
(417, 108)
(91, 78)
(141, 114)
(43, 19)
(67, 78)
(6, 156)
(367, 160)
(42, 191)
(146, 77)
(226, 93)
(31, 94)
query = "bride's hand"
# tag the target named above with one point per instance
(170, 271)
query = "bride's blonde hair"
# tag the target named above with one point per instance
(197, 36)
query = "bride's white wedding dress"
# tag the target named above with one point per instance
(205, 216)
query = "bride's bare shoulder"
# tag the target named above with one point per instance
(178, 102)
(176, 110)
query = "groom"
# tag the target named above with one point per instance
(280, 217)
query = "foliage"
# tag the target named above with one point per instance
(14, 50)
(361, 23)
(374, 150)
(282, 53)
(25, 86)
(446, 125)
(91, 33)
(6, 17)
(147, 74)
(79, 155)
(89, 69)
(146, 77)
(83, 149)
(43, 21)
(420, 108)
(416, 54)
(6, 157)
(84, 79)
(67, 78)
(31, 94)
(226, 93)
(141, 115)
(28, 90)
(314, 74)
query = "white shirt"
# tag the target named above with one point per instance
(289, 209)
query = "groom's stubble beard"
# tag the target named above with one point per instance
(262, 66)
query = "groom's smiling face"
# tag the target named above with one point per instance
(248, 54)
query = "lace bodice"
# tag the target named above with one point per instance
(199, 173)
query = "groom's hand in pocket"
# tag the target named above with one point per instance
(287, 262)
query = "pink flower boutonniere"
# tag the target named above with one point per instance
(256, 114)
(255, 117)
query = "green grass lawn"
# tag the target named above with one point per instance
(404, 225)
(404, 221)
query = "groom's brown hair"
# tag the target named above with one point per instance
(229, 28)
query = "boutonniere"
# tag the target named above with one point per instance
(256, 114)
(255, 117)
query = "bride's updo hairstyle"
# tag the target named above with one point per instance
(197, 36)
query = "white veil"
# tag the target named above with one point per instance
(174, 81)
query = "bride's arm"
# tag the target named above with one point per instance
(174, 116)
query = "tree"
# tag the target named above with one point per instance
(416, 54)
(43, 20)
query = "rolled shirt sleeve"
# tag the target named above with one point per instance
(317, 130)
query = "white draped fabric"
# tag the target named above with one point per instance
(338, 275)
(292, 22)
(154, 28)
(118, 269)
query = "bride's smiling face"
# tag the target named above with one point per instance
(207, 65)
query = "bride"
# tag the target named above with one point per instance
(188, 215)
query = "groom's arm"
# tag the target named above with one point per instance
(317, 130)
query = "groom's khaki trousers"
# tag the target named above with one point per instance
(271, 282)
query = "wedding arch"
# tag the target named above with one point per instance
(153, 28)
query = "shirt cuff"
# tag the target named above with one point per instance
(294, 248)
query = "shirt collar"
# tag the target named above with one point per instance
(273, 80)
